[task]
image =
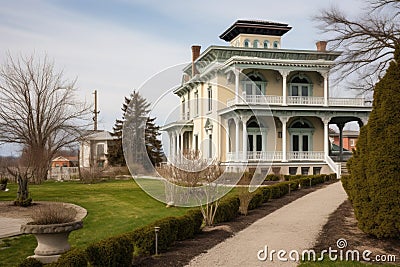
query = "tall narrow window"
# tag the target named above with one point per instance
(210, 145)
(246, 43)
(276, 44)
(183, 109)
(209, 102)
(266, 44)
(188, 106)
(196, 95)
(196, 142)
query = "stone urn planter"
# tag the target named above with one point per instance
(52, 239)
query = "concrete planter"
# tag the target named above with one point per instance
(52, 239)
(3, 187)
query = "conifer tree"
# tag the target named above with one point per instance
(153, 144)
(115, 154)
(142, 133)
(374, 182)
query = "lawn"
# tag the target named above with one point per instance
(113, 207)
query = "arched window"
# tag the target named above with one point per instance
(246, 43)
(300, 86)
(255, 43)
(276, 44)
(255, 84)
(266, 44)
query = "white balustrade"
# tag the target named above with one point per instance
(298, 100)
(305, 100)
(277, 155)
(306, 155)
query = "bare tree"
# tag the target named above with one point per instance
(195, 177)
(39, 110)
(367, 41)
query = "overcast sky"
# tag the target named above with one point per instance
(117, 46)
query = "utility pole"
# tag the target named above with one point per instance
(95, 112)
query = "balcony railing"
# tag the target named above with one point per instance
(306, 155)
(276, 156)
(305, 100)
(298, 100)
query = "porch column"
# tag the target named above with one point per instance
(326, 136)
(237, 138)
(237, 82)
(176, 143)
(244, 138)
(284, 74)
(284, 130)
(264, 143)
(340, 126)
(226, 139)
(326, 91)
(244, 119)
(171, 145)
(180, 143)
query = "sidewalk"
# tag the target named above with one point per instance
(10, 226)
(293, 227)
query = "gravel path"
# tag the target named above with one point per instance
(294, 227)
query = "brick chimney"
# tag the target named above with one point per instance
(195, 55)
(321, 46)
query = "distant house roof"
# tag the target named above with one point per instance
(255, 27)
(99, 136)
(346, 133)
(335, 147)
(61, 158)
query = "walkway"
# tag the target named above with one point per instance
(293, 227)
(10, 226)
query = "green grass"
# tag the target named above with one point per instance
(113, 207)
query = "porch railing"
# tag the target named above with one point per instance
(335, 167)
(305, 100)
(298, 100)
(305, 155)
(276, 156)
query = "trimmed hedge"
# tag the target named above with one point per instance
(262, 195)
(272, 177)
(228, 209)
(171, 229)
(30, 262)
(320, 177)
(72, 258)
(114, 251)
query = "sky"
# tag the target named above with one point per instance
(119, 46)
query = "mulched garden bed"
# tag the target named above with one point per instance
(343, 224)
(183, 251)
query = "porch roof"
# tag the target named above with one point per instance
(177, 125)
